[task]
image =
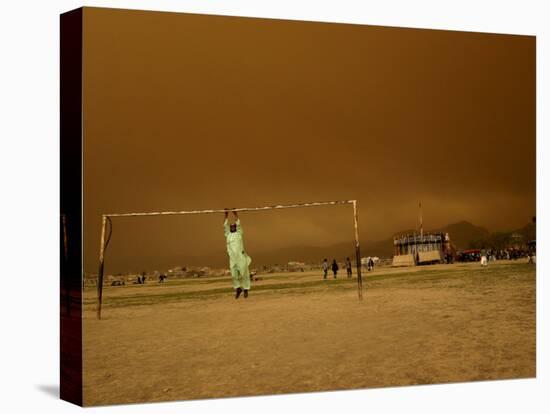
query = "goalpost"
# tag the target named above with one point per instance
(106, 219)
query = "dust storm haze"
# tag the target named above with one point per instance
(196, 112)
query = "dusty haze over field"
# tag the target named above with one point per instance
(194, 112)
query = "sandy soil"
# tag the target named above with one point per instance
(297, 333)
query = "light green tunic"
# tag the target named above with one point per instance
(238, 259)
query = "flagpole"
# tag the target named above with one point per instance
(421, 225)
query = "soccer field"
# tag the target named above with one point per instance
(190, 339)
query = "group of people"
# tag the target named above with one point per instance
(141, 279)
(334, 267)
(508, 254)
(512, 253)
(475, 255)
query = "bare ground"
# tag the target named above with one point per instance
(298, 333)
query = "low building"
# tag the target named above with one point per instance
(424, 248)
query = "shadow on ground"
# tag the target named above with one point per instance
(50, 389)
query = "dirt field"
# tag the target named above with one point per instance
(190, 339)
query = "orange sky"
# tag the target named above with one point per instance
(194, 112)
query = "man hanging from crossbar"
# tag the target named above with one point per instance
(238, 259)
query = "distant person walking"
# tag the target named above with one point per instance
(348, 266)
(334, 268)
(325, 268)
(484, 260)
(371, 264)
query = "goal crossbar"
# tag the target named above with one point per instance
(107, 218)
(275, 207)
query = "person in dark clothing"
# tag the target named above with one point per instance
(334, 268)
(348, 266)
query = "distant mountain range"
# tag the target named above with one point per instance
(463, 235)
